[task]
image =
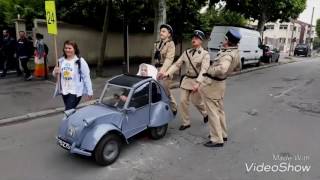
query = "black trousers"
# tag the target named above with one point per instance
(70, 101)
(24, 64)
(8, 61)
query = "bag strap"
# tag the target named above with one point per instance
(192, 64)
(79, 67)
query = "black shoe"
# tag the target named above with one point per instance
(224, 139)
(184, 127)
(213, 144)
(29, 78)
(205, 119)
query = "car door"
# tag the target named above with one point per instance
(137, 115)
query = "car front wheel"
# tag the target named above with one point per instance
(108, 150)
(158, 132)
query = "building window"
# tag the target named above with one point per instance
(270, 27)
(282, 40)
(283, 27)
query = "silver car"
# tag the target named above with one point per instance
(128, 105)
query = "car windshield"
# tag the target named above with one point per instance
(115, 96)
(301, 46)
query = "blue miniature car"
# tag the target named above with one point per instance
(128, 105)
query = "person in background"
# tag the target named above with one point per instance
(24, 52)
(39, 56)
(8, 50)
(74, 73)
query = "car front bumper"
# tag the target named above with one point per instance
(72, 147)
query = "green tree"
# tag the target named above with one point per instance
(214, 16)
(265, 10)
(318, 27)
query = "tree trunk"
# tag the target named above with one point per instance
(104, 39)
(160, 17)
(261, 22)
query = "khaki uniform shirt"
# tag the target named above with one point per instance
(227, 61)
(200, 59)
(167, 52)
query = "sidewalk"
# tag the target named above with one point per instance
(19, 97)
(26, 99)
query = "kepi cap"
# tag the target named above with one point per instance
(168, 27)
(199, 34)
(233, 36)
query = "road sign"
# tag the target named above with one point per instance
(51, 17)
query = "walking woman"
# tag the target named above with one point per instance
(74, 75)
(164, 52)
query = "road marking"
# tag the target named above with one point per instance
(285, 92)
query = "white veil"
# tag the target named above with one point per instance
(152, 71)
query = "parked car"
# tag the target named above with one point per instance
(270, 54)
(302, 49)
(249, 45)
(129, 104)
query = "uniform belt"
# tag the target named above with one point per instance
(191, 77)
(214, 78)
(158, 65)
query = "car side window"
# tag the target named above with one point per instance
(156, 93)
(140, 96)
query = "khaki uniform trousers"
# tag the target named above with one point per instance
(166, 83)
(217, 119)
(196, 99)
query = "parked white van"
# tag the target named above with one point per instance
(249, 45)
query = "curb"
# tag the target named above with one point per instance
(29, 116)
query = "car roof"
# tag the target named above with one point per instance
(128, 80)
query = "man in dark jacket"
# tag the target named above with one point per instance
(24, 48)
(8, 50)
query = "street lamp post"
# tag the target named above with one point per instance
(125, 62)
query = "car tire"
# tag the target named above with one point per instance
(158, 132)
(269, 60)
(104, 156)
(242, 64)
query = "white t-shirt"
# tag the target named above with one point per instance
(67, 78)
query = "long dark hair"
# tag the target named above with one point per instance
(74, 45)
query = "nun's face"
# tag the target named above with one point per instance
(144, 71)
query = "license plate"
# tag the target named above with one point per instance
(64, 144)
(300, 50)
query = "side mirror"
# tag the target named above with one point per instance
(69, 112)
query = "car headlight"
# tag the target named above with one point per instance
(71, 131)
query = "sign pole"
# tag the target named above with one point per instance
(53, 30)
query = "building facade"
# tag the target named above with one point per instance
(286, 35)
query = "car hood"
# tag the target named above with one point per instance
(85, 118)
(93, 113)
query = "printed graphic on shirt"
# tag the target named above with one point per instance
(67, 72)
(68, 78)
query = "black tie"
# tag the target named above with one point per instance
(160, 44)
(192, 51)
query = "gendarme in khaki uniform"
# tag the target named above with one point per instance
(167, 53)
(213, 90)
(201, 60)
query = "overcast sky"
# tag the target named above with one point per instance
(306, 15)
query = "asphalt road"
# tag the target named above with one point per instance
(273, 116)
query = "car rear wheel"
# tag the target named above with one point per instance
(108, 150)
(158, 132)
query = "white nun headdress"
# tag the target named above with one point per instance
(152, 71)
